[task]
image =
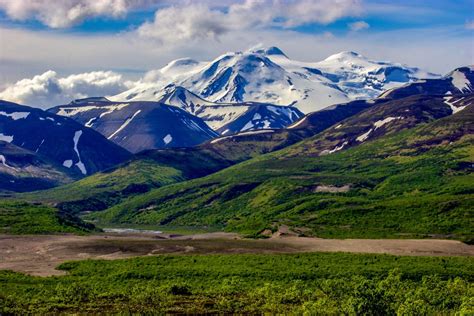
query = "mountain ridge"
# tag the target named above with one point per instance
(267, 75)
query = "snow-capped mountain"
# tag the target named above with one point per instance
(229, 117)
(269, 76)
(138, 126)
(60, 140)
(262, 116)
(458, 81)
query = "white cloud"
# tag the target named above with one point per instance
(65, 13)
(26, 53)
(199, 21)
(358, 26)
(177, 24)
(192, 18)
(48, 89)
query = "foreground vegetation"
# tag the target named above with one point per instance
(416, 183)
(319, 283)
(25, 218)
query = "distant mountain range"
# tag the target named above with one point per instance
(379, 168)
(270, 76)
(234, 108)
(318, 134)
(237, 92)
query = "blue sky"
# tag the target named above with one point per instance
(134, 36)
(381, 16)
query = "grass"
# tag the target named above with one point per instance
(318, 283)
(24, 218)
(416, 183)
(107, 188)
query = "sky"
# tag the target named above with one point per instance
(100, 47)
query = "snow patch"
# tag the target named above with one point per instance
(79, 164)
(3, 160)
(37, 149)
(90, 122)
(364, 136)
(337, 148)
(298, 123)
(454, 108)
(263, 131)
(167, 139)
(15, 115)
(460, 81)
(6, 138)
(72, 111)
(247, 126)
(220, 139)
(266, 124)
(124, 124)
(257, 116)
(81, 167)
(386, 120)
(67, 163)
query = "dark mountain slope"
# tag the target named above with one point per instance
(23, 170)
(59, 139)
(459, 81)
(138, 126)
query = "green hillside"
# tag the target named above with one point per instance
(24, 218)
(417, 182)
(107, 188)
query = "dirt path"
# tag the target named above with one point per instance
(39, 255)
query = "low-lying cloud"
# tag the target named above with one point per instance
(47, 89)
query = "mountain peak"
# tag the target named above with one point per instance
(269, 51)
(345, 55)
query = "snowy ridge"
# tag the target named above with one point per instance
(267, 75)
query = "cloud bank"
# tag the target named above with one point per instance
(48, 89)
(66, 13)
(198, 21)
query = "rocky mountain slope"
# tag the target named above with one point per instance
(23, 170)
(459, 81)
(138, 126)
(58, 139)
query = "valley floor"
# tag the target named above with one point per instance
(40, 255)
